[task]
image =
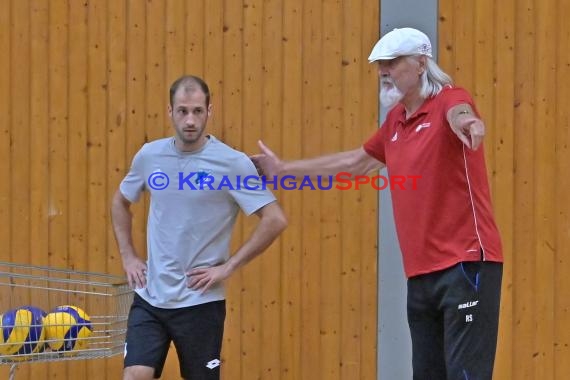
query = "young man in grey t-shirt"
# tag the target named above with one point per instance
(197, 186)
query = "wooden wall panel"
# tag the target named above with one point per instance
(503, 165)
(233, 129)
(562, 205)
(524, 225)
(39, 228)
(514, 60)
(292, 336)
(5, 129)
(135, 96)
(271, 116)
(331, 291)
(116, 129)
(366, 331)
(352, 120)
(83, 84)
(311, 254)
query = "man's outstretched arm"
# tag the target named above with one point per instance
(355, 162)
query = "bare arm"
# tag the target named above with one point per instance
(466, 125)
(121, 216)
(272, 222)
(355, 162)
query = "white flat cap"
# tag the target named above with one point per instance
(399, 42)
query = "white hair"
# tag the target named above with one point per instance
(434, 79)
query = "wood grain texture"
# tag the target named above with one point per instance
(520, 84)
(271, 116)
(84, 84)
(562, 218)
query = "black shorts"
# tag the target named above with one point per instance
(196, 331)
(454, 316)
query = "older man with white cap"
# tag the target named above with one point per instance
(450, 244)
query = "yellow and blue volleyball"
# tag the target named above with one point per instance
(22, 331)
(67, 328)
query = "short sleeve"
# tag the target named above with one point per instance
(455, 96)
(133, 184)
(375, 145)
(251, 194)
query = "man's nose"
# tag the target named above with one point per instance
(189, 121)
(383, 74)
(382, 71)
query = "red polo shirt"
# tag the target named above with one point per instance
(448, 217)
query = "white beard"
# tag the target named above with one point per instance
(390, 96)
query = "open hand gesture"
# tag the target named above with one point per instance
(267, 162)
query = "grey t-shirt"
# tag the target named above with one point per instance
(194, 202)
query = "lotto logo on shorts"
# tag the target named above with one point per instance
(213, 364)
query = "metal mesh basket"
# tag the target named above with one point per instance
(91, 324)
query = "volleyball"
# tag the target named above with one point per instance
(67, 328)
(22, 331)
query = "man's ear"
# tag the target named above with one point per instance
(210, 107)
(423, 63)
(169, 108)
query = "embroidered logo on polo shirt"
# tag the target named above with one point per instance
(422, 126)
(395, 137)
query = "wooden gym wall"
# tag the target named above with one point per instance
(83, 84)
(513, 55)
